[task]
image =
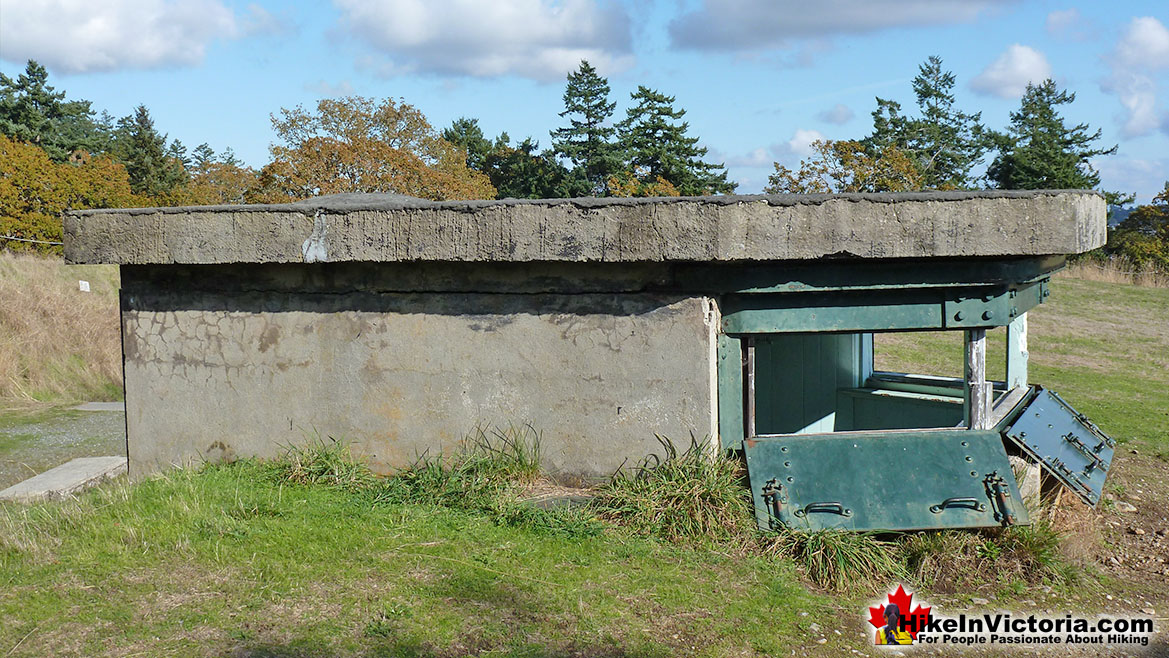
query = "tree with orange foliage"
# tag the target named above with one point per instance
(846, 166)
(358, 144)
(34, 191)
(638, 184)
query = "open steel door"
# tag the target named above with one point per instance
(885, 480)
(1064, 442)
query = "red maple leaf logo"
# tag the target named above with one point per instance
(911, 622)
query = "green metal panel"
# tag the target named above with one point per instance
(879, 310)
(797, 377)
(814, 312)
(992, 308)
(906, 480)
(730, 392)
(1065, 442)
(875, 409)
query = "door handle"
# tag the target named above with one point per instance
(972, 503)
(833, 507)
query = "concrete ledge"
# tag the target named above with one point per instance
(391, 228)
(66, 479)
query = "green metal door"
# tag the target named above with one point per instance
(901, 480)
(1064, 441)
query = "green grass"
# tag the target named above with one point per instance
(238, 558)
(1104, 347)
(686, 496)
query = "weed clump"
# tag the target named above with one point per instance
(955, 561)
(323, 462)
(690, 495)
(836, 559)
(489, 465)
(486, 475)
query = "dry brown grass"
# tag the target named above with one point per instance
(1116, 271)
(57, 344)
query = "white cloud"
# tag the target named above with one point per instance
(80, 36)
(1067, 24)
(1144, 177)
(839, 114)
(756, 158)
(1144, 45)
(539, 39)
(330, 90)
(744, 25)
(800, 145)
(260, 21)
(1007, 76)
(1141, 51)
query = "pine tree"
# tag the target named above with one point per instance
(587, 142)
(944, 143)
(521, 172)
(656, 146)
(32, 111)
(177, 152)
(1039, 151)
(947, 143)
(203, 156)
(466, 134)
(139, 146)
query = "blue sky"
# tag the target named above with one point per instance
(759, 79)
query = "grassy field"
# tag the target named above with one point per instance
(243, 559)
(58, 345)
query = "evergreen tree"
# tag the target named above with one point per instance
(523, 173)
(31, 111)
(203, 156)
(177, 152)
(1039, 151)
(466, 134)
(228, 158)
(944, 143)
(139, 146)
(656, 146)
(587, 142)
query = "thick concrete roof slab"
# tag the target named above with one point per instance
(393, 228)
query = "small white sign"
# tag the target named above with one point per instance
(83, 285)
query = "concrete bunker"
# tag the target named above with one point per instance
(401, 324)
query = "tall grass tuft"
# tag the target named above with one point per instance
(325, 462)
(692, 495)
(57, 344)
(837, 560)
(490, 464)
(958, 561)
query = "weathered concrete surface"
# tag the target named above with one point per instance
(388, 228)
(210, 376)
(66, 479)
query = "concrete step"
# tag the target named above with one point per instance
(66, 479)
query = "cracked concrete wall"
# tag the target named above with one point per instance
(211, 373)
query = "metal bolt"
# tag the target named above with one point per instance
(986, 315)
(959, 316)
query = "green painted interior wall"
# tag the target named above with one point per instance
(797, 377)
